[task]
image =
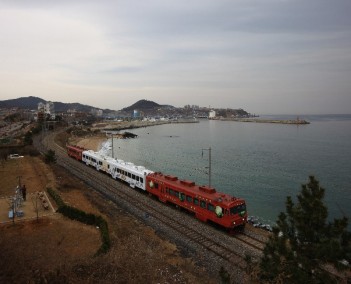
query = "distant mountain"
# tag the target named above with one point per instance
(32, 103)
(142, 105)
(25, 102)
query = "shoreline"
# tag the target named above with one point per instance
(94, 141)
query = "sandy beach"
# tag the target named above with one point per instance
(91, 143)
(94, 142)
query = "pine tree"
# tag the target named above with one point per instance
(50, 156)
(303, 241)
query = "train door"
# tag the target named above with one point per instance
(161, 193)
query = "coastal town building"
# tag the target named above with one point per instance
(97, 112)
(212, 114)
(46, 109)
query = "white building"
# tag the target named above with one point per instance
(96, 112)
(47, 108)
(212, 114)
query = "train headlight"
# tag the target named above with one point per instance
(233, 223)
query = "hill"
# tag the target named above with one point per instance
(143, 105)
(32, 103)
(24, 102)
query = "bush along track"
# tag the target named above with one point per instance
(83, 217)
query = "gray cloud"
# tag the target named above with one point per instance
(239, 53)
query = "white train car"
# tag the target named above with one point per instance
(134, 175)
(96, 160)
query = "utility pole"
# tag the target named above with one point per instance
(113, 155)
(19, 181)
(209, 164)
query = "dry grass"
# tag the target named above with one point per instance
(57, 250)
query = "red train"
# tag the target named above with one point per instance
(204, 202)
(75, 152)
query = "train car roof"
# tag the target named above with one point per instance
(76, 147)
(129, 166)
(97, 155)
(205, 192)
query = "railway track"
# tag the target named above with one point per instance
(155, 211)
(255, 243)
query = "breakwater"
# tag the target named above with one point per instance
(279, 121)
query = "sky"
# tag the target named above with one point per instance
(265, 56)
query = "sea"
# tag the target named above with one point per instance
(260, 162)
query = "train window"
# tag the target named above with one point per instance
(137, 178)
(108, 166)
(133, 176)
(196, 201)
(174, 192)
(167, 190)
(210, 207)
(189, 198)
(129, 175)
(238, 209)
(203, 204)
(181, 196)
(141, 180)
(156, 185)
(100, 163)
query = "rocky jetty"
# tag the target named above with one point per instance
(279, 121)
